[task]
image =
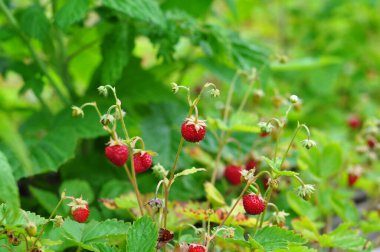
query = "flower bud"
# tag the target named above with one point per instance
(305, 191)
(308, 144)
(160, 171)
(265, 127)
(278, 218)
(31, 229)
(175, 87)
(77, 111)
(58, 221)
(214, 92)
(294, 99)
(107, 119)
(103, 90)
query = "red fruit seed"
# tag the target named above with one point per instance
(253, 204)
(117, 154)
(196, 248)
(233, 174)
(190, 134)
(142, 162)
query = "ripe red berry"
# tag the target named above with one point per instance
(250, 164)
(193, 130)
(354, 122)
(196, 248)
(233, 174)
(371, 142)
(142, 162)
(253, 204)
(117, 154)
(264, 134)
(80, 213)
(352, 178)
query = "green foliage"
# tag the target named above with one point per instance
(72, 11)
(344, 238)
(142, 236)
(8, 187)
(271, 238)
(95, 235)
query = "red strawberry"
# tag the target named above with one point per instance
(196, 248)
(233, 174)
(142, 162)
(371, 142)
(251, 163)
(81, 214)
(193, 130)
(264, 134)
(354, 122)
(253, 204)
(117, 154)
(352, 178)
(79, 210)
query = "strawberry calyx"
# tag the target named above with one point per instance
(77, 203)
(198, 124)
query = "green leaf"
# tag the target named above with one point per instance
(78, 188)
(142, 236)
(187, 172)
(116, 52)
(34, 22)
(20, 219)
(197, 8)
(271, 238)
(214, 196)
(274, 165)
(244, 122)
(331, 160)
(305, 64)
(286, 173)
(14, 142)
(307, 228)
(72, 11)
(52, 140)
(8, 186)
(296, 248)
(344, 238)
(90, 234)
(238, 237)
(302, 207)
(168, 116)
(247, 55)
(145, 10)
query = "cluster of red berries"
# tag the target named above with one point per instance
(118, 154)
(192, 130)
(233, 172)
